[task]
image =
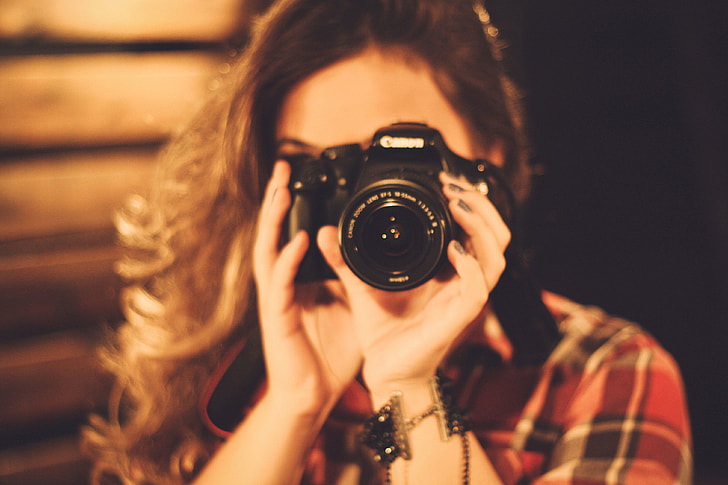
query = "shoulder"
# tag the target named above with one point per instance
(617, 397)
(593, 339)
(614, 364)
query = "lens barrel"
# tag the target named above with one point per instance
(393, 233)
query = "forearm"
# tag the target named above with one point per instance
(437, 462)
(434, 461)
(269, 447)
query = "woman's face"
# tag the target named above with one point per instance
(349, 100)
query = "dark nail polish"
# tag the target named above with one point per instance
(459, 248)
(455, 188)
(464, 206)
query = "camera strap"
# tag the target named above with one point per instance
(517, 299)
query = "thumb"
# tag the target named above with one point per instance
(328, 243)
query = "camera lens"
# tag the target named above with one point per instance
(393, 234)
(393, 237)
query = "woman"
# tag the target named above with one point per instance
(209, 267)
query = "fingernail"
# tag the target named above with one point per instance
(455, 188)
(459, 248)
(464, 206)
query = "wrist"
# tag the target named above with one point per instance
(416, 394)
(387, 432)
(310, 405)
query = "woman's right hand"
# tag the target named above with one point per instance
(310, 348)
(311, 356)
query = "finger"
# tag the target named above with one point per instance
(283, 272)
(474, 201)
(468, 269)
(328, 242)
(481, 205)
(471, 294)
(474, 286)
(277, 299)
(355, 289)
(276, 202)
(478, 218)
(278, 180)
(485, 244)
(475, 227)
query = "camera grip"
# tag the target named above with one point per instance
(309, 214)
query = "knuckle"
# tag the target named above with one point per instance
(499, 265)
(480, 297)
(507, 237)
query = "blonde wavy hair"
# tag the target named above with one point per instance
(191, 291)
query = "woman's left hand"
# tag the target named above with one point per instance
(405, 335)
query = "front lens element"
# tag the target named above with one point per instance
(393, 234)
(393, 237)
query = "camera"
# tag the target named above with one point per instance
(393, 222)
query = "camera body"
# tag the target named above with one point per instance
(393, 222)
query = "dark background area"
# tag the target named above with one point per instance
(629, 118)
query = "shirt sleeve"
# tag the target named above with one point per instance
(626, 423)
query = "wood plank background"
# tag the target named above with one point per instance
(121, 20)
(89, 90)
(98, 99)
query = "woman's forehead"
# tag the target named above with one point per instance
(349, 100)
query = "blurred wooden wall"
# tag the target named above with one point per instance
(89, 89)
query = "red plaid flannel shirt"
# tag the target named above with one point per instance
(608, 407)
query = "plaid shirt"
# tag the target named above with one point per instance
(608, 407)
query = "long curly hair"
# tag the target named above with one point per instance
(188, 265)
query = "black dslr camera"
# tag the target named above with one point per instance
(394, 224)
